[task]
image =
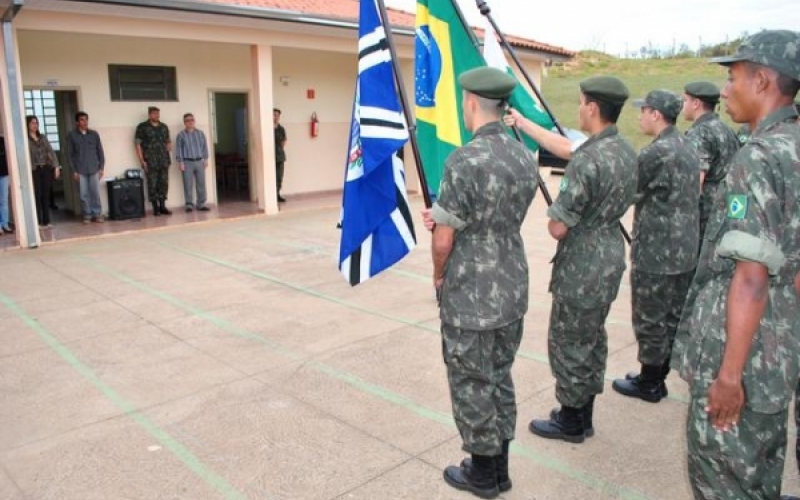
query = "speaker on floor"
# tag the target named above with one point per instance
(125, 199)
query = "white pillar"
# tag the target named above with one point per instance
(262, 138)
(19, 164)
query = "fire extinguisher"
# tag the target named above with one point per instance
(314, 125)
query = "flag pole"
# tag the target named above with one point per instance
(401, 90)
(486, 11)
(517, 134)
(483, 7)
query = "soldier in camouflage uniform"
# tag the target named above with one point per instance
(665, 240)
(736, 346)
(153, 150)
(482, 273)
(599, 185)
(715, 142)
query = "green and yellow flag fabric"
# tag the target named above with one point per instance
(443, 50)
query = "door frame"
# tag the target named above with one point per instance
(212, 114)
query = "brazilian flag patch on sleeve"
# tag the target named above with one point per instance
(737, 206)
(564, 184)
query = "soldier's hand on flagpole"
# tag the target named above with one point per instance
(512, 118)
(427, 219)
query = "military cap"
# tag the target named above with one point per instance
(668, 103)
(776, 49)
(487, 82)
(606, 88)
(705, 91)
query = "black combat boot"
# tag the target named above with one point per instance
(156, 209)
(164, 209)
(480, 478)
(588, 412)
(501, 467)
(648, 385)
(566, 424)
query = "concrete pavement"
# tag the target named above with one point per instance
(230, 360)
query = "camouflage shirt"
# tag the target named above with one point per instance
(599, 185)
(153, 141)
(716, 144)
(666, 220)
(487, 187)
(756, 218)
(280, 138)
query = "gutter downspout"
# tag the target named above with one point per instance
(28, 215)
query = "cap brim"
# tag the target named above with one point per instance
(638, 103)
(726, 60)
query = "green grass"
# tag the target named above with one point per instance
(560, 87)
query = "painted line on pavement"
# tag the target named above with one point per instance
(189, 459)
(533, 356)
(601, 485)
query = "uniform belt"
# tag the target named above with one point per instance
(192, 159)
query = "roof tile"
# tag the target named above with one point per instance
(348, 9)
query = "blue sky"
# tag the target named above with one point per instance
(619, 25)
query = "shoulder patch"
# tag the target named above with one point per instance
(737, 206)
(564, 184)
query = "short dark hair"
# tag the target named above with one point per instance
(81, 114)
(608, 112)
(187, 115)
(708, 105)
(788, 85)
(150, 109)
(276, 110)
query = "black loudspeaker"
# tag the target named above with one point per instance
(125, 199)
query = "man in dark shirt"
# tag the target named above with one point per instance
(85, 153)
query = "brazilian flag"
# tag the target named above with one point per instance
(444, 50)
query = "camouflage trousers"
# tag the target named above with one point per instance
(743, 464)
(657, 306)
(157, 183)
(279, 174)
(797, 425)
(481, 388)
(577, 345)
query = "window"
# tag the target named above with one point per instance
(42, 104)
(142, 83)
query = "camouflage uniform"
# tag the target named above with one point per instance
(154, 140)
(665, 240)
(716, 144)
(756, 219)
(486, 190)
(280, 155)
(599, 185)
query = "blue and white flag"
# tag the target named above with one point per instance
(377, 230)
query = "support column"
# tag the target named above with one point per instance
(19, 164)
(262, 138)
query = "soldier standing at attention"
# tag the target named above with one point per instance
(153, 149)
(599, 185)
(736, 346)
(665, 241)
(479, 266)
(715, 142)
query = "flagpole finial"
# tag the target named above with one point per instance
(483, 7)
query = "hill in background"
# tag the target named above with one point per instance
(561, 91)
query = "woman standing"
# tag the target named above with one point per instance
(45, 169)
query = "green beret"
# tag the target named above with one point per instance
(776, 49)
(667, 103)
(487, 82)
(606, 88)
(705, 91)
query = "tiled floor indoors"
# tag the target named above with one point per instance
(229, 360)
